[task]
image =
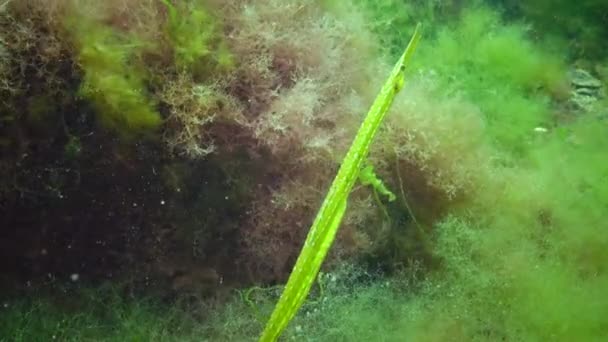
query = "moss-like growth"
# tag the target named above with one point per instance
(582, 25)
(501, 71)
(193, 107)
(389, 19)
(113, 76)
(527, 264)
(511, 242)
(495, 65)
(193, 33)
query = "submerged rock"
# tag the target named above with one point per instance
(581, 78)
(586, 89)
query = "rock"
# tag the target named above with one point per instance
(582, 79)
(583, 102)
(586, 90)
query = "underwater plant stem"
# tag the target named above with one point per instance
(407, 206)
(324, 228)
(381, 206)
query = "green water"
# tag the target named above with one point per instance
(161, 163)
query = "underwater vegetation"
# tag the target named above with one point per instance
(516, 79)
(581, 26)
(161, 162)
(328, 220)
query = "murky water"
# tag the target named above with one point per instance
(161, 163)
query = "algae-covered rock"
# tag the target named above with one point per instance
(586, 89)
(583, 79)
